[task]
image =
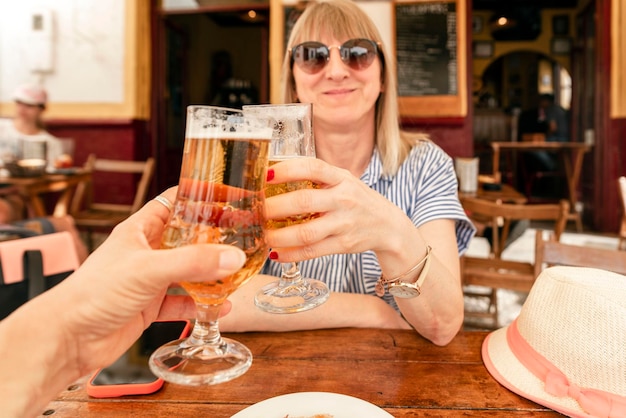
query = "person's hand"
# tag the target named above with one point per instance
(353, 217)
(121, 287)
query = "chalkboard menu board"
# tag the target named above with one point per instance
(426, 48)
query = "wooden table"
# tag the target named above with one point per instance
(572, 165)
(31, 190)
(507, 194)
(395, 369)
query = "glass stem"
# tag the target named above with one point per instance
(291, 274)
(206, 330)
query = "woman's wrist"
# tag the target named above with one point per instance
(402, 248)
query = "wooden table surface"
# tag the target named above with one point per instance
(506, 193)
(32, 188)
(397, 370)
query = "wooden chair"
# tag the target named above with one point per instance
(622, 230)
(550, 252)
(493, 272)
(91, 216)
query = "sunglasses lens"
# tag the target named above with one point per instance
(358, 53)
(311, 56)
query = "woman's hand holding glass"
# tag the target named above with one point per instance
(352, 216)
(292, 140)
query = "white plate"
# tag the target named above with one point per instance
(306, 404)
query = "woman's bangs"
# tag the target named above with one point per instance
(327, 22)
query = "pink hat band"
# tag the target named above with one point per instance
(593, 401)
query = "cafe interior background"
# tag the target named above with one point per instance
(120, 74)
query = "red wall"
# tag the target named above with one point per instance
(454, 135)
(110, 139)
(608, 158)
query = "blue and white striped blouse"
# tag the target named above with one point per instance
(425, 188)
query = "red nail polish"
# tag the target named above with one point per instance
(273, 255)
(270, 174)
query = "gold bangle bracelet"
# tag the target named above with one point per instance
(383, 282)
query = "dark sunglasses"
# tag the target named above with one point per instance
(357, 54)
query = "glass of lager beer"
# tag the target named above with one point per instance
(220, 200)
(293, 138)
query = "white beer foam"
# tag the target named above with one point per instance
(283, 111)
(198, 132)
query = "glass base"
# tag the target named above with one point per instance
(301, 296)
(183, 364)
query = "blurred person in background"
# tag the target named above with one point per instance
(27, 124)
(555, 118)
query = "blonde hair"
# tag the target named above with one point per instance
(344, 19)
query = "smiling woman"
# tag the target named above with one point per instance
(382, 191)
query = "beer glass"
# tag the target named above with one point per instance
(220, 200)
(293, 138)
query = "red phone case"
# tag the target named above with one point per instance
(116, 390)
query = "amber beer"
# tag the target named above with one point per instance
(276, 189)
(220, 200)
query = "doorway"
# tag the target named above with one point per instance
(508, 98)
(517, 79)
(214, 56)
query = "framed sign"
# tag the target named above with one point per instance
(482, 49)
(561, 45)
(431, 57)
(560, 25)
(477, 24)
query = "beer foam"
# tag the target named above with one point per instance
(283, 111)
(199, 132)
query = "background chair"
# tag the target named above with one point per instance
(30, 266)
(90, 215)
(622, 231)
(493, 272)
(550, 252)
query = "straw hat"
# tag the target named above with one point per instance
(31, 95)
(567, 348)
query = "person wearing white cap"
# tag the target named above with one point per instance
(567, 348)
(27, 124)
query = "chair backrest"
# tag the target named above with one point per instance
(30, 266)
(84, 194)
(550, 252)
(58, 250)
(498, 214)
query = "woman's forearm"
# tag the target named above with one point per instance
(339, 311)
(437, 314)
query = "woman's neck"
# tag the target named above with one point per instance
(349, 149)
